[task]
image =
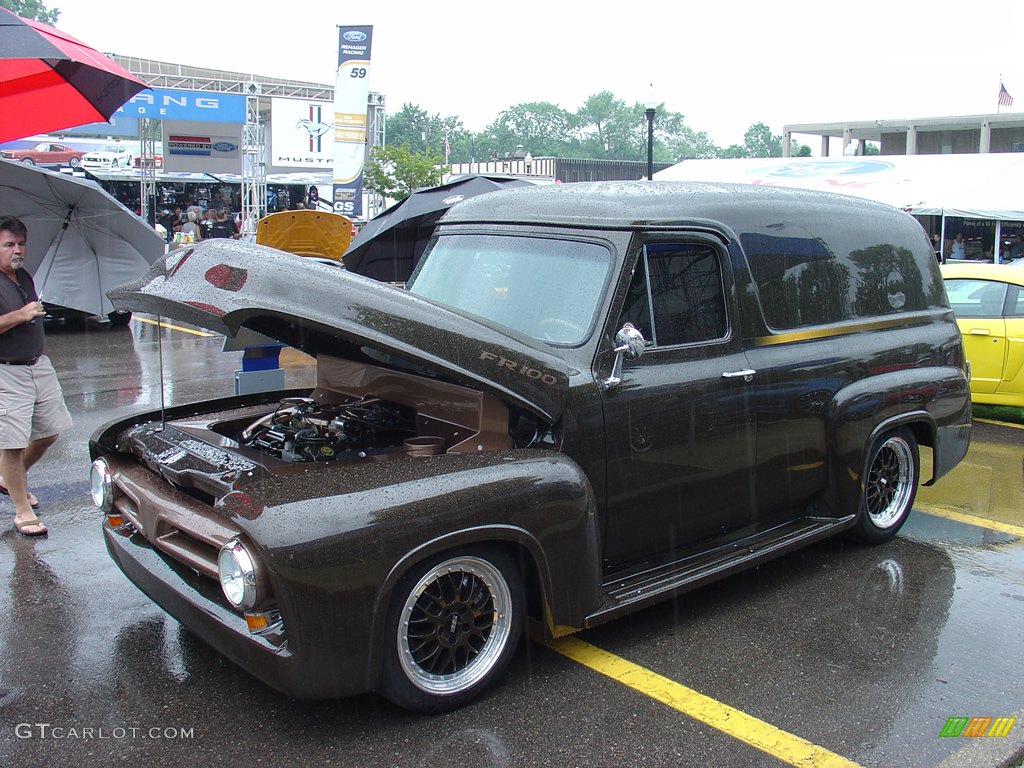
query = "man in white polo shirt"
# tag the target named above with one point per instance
(32, 409)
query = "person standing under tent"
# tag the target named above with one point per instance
(1017, 249)
(958, 250)
(191, 227)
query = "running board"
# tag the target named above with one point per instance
(630, 592)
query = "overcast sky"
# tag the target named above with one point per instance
(723, 64)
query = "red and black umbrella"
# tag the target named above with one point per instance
(50, 80)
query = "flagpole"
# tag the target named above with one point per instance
(999, 99)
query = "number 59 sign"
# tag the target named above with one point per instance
(351, 89)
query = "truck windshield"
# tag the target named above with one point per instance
(546, 288)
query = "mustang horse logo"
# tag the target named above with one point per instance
(314, 127)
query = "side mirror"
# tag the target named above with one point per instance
(629, 342)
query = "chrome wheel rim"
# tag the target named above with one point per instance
(454, 626)
(889, 481)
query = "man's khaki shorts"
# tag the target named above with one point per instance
(31, 404)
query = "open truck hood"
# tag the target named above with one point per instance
(224, 285)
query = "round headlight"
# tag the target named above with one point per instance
(101, 485)
(237, 575)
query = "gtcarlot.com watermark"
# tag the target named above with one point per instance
(52, 732)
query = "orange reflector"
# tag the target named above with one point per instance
(256, 621)
(115, 520)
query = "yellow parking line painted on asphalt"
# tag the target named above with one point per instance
(757, 733)
(193, 331)
(1000, 423)
(981, 522)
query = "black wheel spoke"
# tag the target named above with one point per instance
(891, 481)
(458, 624)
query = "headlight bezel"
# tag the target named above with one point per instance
(239, 575)
(101, 485)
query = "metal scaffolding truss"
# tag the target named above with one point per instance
(377, 122)
(258, 91)
(254, 165)
(148, 129)
(376, 135)
(162, 74)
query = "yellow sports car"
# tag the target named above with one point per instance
(988, 300)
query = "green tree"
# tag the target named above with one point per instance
(685, 143)
(409, 126)
(394, 171)
(412, 125)
(611, 129)
(450, 133)
(759, 141)
(674, 140)
(606, 127)
(543, 129)
(31, 9)
(629, 133)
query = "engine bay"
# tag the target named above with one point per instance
(303, 429)
(355, 412)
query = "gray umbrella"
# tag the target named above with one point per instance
(81, 241)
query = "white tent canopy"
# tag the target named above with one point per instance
(981, 186)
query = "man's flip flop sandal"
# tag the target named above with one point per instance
(24, 526)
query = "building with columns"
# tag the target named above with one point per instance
(955, 135)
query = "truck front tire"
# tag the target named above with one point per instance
(453, 625)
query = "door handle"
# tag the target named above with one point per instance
(747, 374)
(979, 332)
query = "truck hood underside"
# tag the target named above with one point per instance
(224, 285)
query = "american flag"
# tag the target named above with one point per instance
(1005, 99)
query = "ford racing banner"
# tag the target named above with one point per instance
(351, 90)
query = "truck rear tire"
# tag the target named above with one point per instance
(891, 477)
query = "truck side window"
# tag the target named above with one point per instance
(685, 291)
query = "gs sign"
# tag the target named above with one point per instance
(347, 198)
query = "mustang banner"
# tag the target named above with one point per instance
(351, 90)
(301, 134)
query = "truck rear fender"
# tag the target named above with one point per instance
(933, 402)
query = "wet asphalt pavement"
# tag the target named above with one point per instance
(865, 652)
